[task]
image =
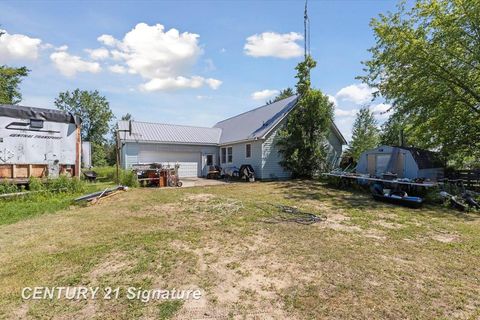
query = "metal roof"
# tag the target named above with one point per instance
(256, 123)
(168, 133)
(250, 125)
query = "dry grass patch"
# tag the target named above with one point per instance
(367, 260)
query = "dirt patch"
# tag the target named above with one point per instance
(446, 237)
(199, 197)
(336, 221)
(387, 225)
(111, 264)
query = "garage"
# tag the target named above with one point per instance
(190, 162)
(144, 143)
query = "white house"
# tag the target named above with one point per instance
(248, 138)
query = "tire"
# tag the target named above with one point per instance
(179, 184)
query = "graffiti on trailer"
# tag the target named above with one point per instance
(35, 136)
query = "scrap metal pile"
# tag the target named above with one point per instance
(157, 175)
(96, 196)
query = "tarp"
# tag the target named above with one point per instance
(22, 112)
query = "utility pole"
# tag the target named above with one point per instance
(306, 31)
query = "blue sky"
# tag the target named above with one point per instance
(222, 58)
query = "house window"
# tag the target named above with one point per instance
(248, 150)
(230, 154)
(224, 155)
(209, 159)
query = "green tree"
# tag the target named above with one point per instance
(303, 139)
(10, 79)
(426, 62)
(283, 94)
(365, 134)
(394, 129)
(95, 112)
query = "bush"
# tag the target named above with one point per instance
(105, 173)
(127, 177)
(65, 184)
(35, 184)
(7, 187)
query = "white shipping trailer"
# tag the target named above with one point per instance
(38, 142)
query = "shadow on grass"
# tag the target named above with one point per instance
(356, 197)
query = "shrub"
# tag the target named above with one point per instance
(7, 187)
(129, 179)
(65, 184)
(35, 184)
(105, 173)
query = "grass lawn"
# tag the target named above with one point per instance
(366, 260)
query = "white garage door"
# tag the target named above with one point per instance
(189, 161)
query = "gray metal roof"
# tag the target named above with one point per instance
(256, 123)
(168, 133)
(250, 125)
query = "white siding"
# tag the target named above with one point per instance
(271, 168)
(239, 156)
(271, 157)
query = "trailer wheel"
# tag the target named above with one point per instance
(179, 184)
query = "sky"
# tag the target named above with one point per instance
(190, 62)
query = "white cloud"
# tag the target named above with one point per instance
(108, 40)
(223, 50)
(18, 46)
(203, 97)
(332, 99)
(69, 65)
(381, 110)
(179, 82)
(356, 93)
(116, 68)
(98, 54)
(264, 94)
(62, 48)
(345, 113)
(163, 57)
(213, 83)
(271, 44)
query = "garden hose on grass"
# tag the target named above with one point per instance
(292, 214)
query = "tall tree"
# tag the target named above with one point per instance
(365, 134)
(426, 61)
(283, 94)
(10, 79)
(95, 112)
(395, 131)
(303, 140)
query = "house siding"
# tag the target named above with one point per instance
(335, 149)
(238, 155)
(271, 157)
